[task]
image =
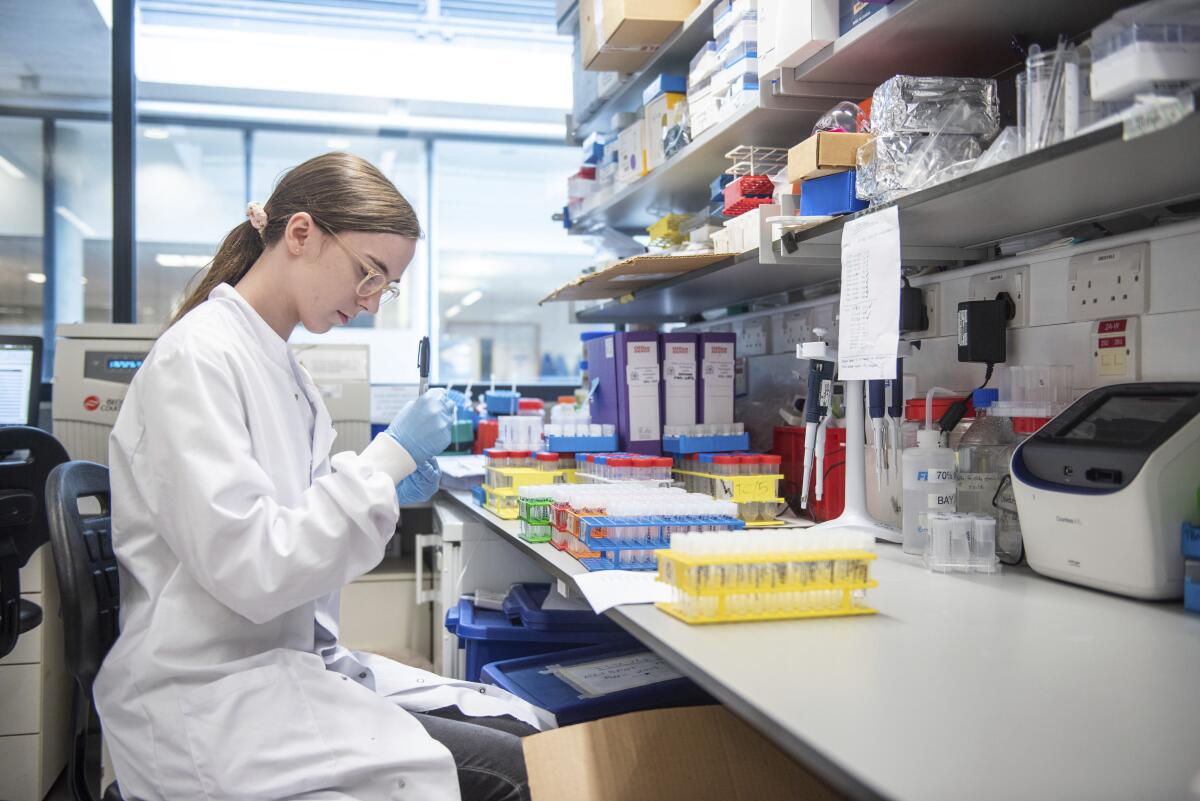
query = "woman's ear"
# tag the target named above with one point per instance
(298, 233)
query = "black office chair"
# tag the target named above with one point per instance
(27, 455)
(87, 582)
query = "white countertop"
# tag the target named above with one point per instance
(963, 686)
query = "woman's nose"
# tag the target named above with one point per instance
(370, 304)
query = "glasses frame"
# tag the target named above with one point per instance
(390, 289)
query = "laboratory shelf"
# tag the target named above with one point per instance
(922, 37)
(1100, 175)
(681, 182)
(672, 57)
(940, 37)
(966, 669)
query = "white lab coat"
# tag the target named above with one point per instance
(234, 531)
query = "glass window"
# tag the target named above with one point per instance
(191, 191)
(496, 254)
(22, 275)
(56, 73)
(394, 332)
(83, 222)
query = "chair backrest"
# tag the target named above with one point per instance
(87, 568)
(29, 454)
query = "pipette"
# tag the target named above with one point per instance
(875, 404)
(821, 429)
(895, 416)
(816, 402)
(423, 365)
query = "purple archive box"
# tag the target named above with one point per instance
(715, 388)
(629, 394)
(680, 374)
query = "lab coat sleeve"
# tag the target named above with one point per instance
(215, 503)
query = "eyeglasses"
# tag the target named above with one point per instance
(373, 281)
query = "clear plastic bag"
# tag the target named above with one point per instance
(915, 104)
(1008, 145)
(892, 165)
(845, 116)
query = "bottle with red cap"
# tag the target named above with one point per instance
(546, 461)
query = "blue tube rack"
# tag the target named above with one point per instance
(619, 556)
(719, 444)
(582, 444)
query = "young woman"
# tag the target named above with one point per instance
(234, 531)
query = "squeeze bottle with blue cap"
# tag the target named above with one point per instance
(983, 455)
(927, 475)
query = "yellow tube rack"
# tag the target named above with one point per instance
(719, 588)
(503, 502)
(743, 489)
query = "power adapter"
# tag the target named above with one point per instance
(981, 329)
(913, 316)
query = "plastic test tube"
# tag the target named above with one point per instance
(547, 461)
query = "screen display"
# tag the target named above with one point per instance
(1126, 419)
(124, 364)
(16, 378)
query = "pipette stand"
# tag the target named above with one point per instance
(855, 515)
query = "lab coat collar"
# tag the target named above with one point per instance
(275, 347)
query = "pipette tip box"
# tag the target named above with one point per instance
(600, 444)
(718, 444)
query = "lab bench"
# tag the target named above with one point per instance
(963, 686)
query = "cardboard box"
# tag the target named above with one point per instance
(852, 13)
(824, 153)
(622, 34)
(701, 753)
(704, 109)
(679, 367)
(661, 85)
(631, 154)
(715, 390)
(629, 394)
(789, 32)
(661, 113)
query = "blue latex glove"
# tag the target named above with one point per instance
(420, 485)
(423, 426)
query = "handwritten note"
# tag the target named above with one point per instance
(869, 322)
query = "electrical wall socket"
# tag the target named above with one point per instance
(1108, 283)
(796, 330)
(754, 336)
(1014, 281)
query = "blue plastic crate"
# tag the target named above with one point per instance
(581, 444)
(524, 605)
(534, 679)
(720, 444)
(488, 635)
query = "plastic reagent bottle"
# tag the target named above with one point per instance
(927, 476)
(983, 455)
